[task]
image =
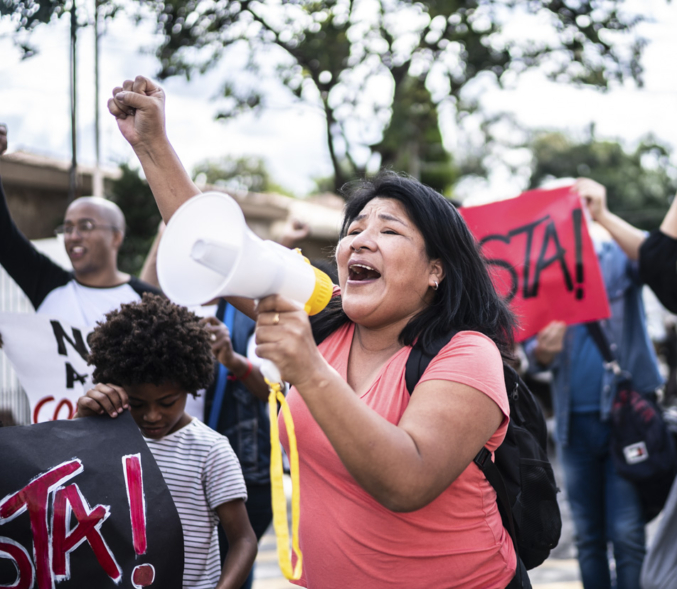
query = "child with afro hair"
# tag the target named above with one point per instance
(148, 356)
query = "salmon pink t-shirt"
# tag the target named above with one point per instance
(348, 539)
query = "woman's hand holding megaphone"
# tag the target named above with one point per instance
(284, 336)
(285, 342)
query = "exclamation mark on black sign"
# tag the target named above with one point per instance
(143, 575)
(577, 216)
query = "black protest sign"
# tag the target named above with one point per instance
(83, 504)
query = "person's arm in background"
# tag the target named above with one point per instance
(3, 138)
(238, 365)
(35, 274)
(669, 224)
(149, 271)
(629, 238)
(543, 349)
(294, 231)
(3, 149)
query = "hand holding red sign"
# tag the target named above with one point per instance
(541, 257)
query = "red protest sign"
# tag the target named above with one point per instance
(541, 258)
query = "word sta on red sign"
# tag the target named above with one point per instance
(541, 258)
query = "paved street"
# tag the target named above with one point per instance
(555, 573)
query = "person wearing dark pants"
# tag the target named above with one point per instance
(606, 508)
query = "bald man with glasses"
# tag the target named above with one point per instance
(93, 231)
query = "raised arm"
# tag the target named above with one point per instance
(149, 271)
(628, 237)
(35, 274)
(139, 108)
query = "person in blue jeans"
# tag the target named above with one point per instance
(605, 507)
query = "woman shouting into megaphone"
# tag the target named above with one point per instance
(390, 496)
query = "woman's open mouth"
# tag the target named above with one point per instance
(362, 273)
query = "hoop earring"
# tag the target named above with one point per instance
(437, 285)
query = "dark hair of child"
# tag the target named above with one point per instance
(152, 341)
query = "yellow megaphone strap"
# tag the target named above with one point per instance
(278, 497)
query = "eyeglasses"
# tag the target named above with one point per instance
(83, 227)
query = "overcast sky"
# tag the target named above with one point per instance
(34, 102)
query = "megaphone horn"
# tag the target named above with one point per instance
(207, 251)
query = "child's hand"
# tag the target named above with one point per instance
(103, 398)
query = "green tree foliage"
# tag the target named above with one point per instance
(639, 183)
(29, 14)
(412, 142)
(133, 195)
(355, 57)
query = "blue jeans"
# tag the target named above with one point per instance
(604, 506)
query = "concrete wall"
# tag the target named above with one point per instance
(267, 215)
(37, 190)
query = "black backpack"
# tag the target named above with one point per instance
(521, 474)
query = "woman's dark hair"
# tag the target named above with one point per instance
(466, 298)
(152, 341)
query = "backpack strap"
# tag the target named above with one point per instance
(606, 350)
(417, 362)
(225, 313)
(419, 359)
(601, 341)
(486, 465)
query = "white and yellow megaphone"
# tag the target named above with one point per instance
(207, 251)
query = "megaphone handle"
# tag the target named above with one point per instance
(270, 371)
